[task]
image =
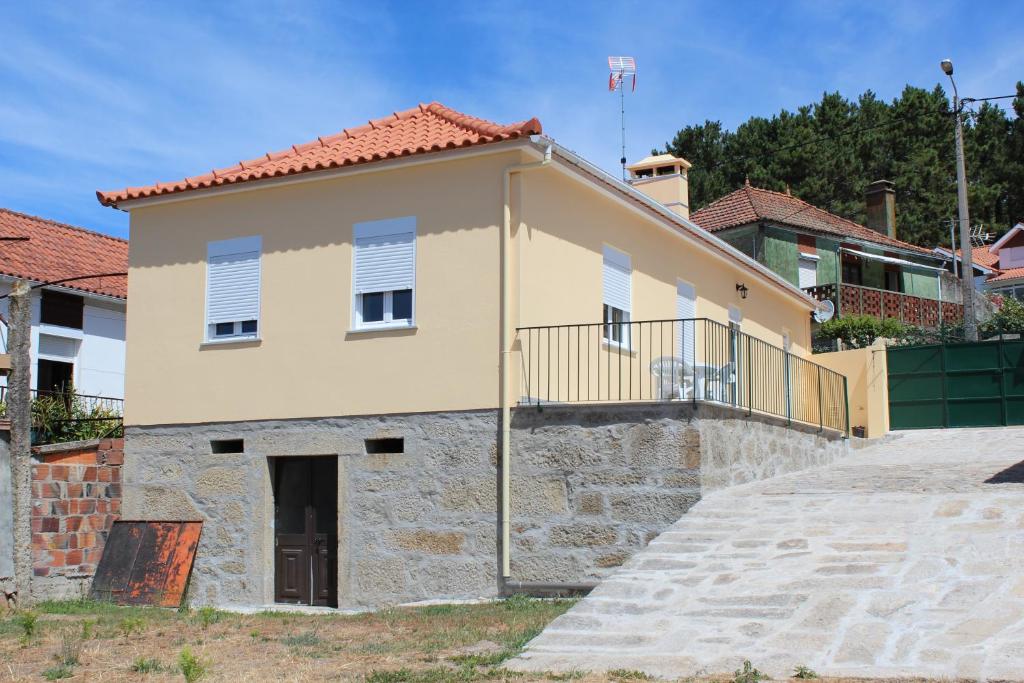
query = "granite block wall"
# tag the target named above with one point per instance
(590, 486)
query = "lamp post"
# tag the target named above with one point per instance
(966, 265)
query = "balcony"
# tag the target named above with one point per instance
(880, 303)
(693, 360)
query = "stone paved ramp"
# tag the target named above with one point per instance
(905, 560)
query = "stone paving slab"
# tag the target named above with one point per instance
(905, 560)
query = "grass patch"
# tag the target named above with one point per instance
(306, 639)
(147, 665)
(58, 672)
(629, 675)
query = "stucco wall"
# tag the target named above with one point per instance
(309, 363)
(560, 232)
(590, 485)
(866, 372)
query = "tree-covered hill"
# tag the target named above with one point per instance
(829, 151)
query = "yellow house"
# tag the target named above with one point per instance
(368, 363)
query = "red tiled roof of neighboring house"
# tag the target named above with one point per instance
(752, 204)
(1008, 274)
(55, 251)
(427, 128)
(983, 257)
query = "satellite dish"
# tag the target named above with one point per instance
(826, 309)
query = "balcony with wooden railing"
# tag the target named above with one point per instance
(880, 303)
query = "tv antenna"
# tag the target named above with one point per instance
(622, 68)
(979, 237)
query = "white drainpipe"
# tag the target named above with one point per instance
(504, 361)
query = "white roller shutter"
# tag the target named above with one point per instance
(808, 272)
(385, 255)
(617, 276)
(233, 280)
(686, 310)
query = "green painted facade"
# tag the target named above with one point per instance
(777, 249)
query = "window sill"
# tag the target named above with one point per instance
(232, 341)
(390, 327)
(61, 331)
(616, 347)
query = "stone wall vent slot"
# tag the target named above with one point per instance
(378, 446)
(227, 445)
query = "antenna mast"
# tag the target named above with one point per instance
(622, 68)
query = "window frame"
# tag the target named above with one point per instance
(230, 247)
(624, 261)
(389, 322)
(381, 227)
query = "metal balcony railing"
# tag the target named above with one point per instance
(695, 359)
(880, 303)
(59, 416)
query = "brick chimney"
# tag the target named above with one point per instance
(881, 204)
(663, 178)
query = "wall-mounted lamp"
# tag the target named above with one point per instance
(742, 289)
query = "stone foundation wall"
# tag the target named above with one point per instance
(76, 496)
(631, 470)
(590, 486)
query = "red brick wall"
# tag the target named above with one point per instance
(76, 496)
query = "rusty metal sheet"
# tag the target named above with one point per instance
(146, 563)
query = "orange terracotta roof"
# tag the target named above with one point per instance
(427, 128)
(55, 251)
(1008, 274)
(752, 204)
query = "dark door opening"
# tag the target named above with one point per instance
(306, 530)
(54, 376)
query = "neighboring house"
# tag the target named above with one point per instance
(999, 267)
(78, 326)
(862, 269)
(352, 360)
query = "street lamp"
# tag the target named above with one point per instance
(966, 265)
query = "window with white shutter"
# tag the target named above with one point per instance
(808, 266)
(617, 281)
(384, 272)
(233, 288)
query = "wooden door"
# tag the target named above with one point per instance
(305, 531)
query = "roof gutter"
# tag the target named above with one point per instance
(70, 290)
(682, 226)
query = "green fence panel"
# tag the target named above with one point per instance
(974, 384)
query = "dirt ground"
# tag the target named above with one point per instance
(88, 641)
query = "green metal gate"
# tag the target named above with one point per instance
(971, 384)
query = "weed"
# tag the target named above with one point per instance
(130, 625)
(567, 676)
(70, 649)
(147, 665)
(629, 675)
(28, 622)
(482, 660)
(192, 668)
(207, 616)
(804, 672)
(748, 674)
(58, 672)
(518, 641)
(254, 634)
(88, 629)
(307, 639)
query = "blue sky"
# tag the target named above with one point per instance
(107, 95)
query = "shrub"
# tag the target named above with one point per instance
(28, 622)
(130, 625)
(1009, 317)
(861, 331)
(192, 668)
(804, 672)
(748, 674)
(207, 616)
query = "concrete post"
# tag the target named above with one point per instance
(19, 409)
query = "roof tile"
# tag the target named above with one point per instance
(751, 204)
(55, 251)
(427, 128)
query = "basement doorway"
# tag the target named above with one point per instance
(306, 530)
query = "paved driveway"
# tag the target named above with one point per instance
(907, 559)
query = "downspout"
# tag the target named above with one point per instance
(504, 360)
